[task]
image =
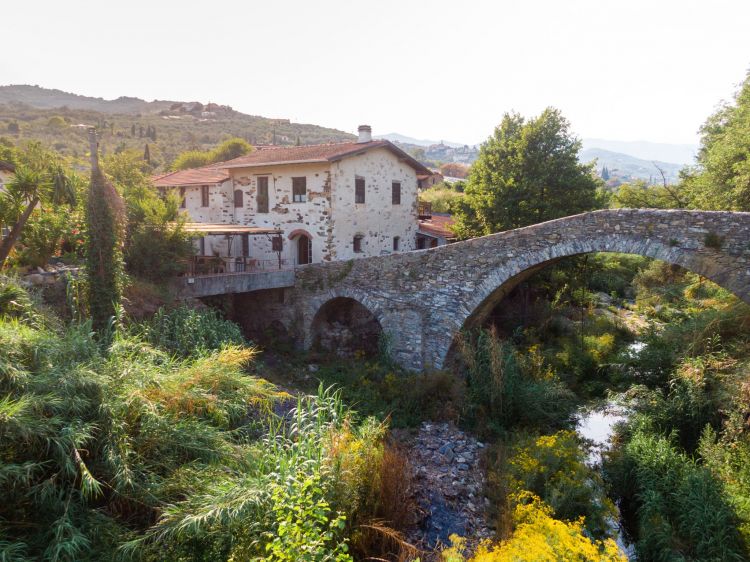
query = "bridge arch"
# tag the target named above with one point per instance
(423, 298)
(344, 322)
(507, 274)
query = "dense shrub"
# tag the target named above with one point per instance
(129, 451)
(539, 536)
(552, 467)
(507, 389)
(374, 388)
(187, 331)
(93, 444)
(681, 510)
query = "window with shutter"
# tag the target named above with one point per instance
(238, 198)
(358, 243)
(359, 190)
(262, 194)
(204, 196)
(299, 190)
(396, 193)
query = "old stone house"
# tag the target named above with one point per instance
(429, 179)
(330, 201)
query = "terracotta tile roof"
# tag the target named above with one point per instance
(194, 176)
(273, 155)
(437, 225)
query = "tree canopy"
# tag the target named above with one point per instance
(230, 148)
(527, 172)
(722, 178)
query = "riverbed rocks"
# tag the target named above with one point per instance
(449, 484)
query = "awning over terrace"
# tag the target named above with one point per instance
(221, 265)
(208, 229)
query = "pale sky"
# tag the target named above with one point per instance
(626, 70)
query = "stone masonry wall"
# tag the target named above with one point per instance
(423, 298)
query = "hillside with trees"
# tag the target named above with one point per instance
(59, 120)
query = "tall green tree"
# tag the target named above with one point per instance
(527, 172)
(227, 150)
(721, 180)
(39, 178)
(105, 217)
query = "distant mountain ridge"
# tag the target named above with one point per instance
(47, 98)
(626, 167)
(403, 139)
(664, 152)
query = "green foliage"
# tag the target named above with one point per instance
(527, 172)
(553, 468)
(728, 457)
(15, 302)
(39, 179)
(441, 196)
(156, 245)
(104, 226)
(287, 501)
(43, 237)
(307, 529)
(186, 331)
(227, 150)
(641, 195)
(129, 452)
(94, 444)
(508, 389)
(721, 180)
(380, 389)
(191, 159)
(682, 513)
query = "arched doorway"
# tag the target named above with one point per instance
(304, 249)
(346, 327)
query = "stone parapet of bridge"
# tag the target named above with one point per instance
(423, 299)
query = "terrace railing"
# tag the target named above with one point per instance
(200, 266)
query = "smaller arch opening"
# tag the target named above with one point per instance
(346, 327)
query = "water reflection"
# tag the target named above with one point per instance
(597, 425)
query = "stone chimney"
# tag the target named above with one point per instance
(365, 133)
(94, 147)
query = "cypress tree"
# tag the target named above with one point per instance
(132, 130)
(105, 223)
(147, 154)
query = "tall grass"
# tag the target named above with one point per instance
(135, 451)
(188, 331)
(681, 510)
(508, 389)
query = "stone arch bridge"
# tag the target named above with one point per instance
(423, 299)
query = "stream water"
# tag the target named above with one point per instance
(597, 425)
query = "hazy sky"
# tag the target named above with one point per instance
(626, 69)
